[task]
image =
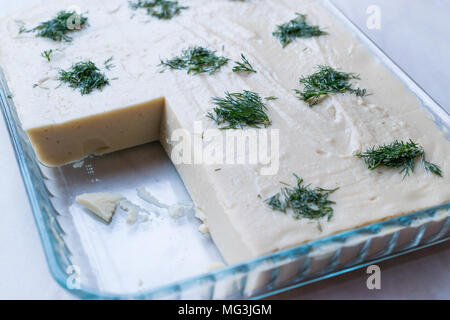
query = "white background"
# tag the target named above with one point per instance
(415, 33)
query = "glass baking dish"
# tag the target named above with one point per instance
(167, 258)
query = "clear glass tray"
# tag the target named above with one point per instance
(166, 258)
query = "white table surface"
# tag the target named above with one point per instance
(415, 33)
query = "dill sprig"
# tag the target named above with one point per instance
(108, 63)
(196, 60)
(47, 54)
(296, 28)
(239, 110)
(303, 201)
(398, 154)
(84, 76)
(243, 66)
(161, 9)
(22, 28)
(58, 28)
(325, 81)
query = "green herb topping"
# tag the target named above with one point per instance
(239, 110)
(296, 28)
(22, 28)
(58, 28)
(108, 63)
(398, 154)
(326, 81)
(196, 60)
(243, 66)
(303, 201)
(84, 76)
(47, 54)
(161, 9)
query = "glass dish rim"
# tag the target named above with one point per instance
(61, 276)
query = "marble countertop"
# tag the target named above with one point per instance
(414, 33)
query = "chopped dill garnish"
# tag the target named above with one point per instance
(239, 110)
(398, 154)
(108, 63)
(47, 54)
(431, 167)
(58, 28)
(84, 76)
(303, 201)
(271, 98)
(196, 60)
(325, 81)
(296, 28)
(161, 9)
(243, 66)
(22, 28)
